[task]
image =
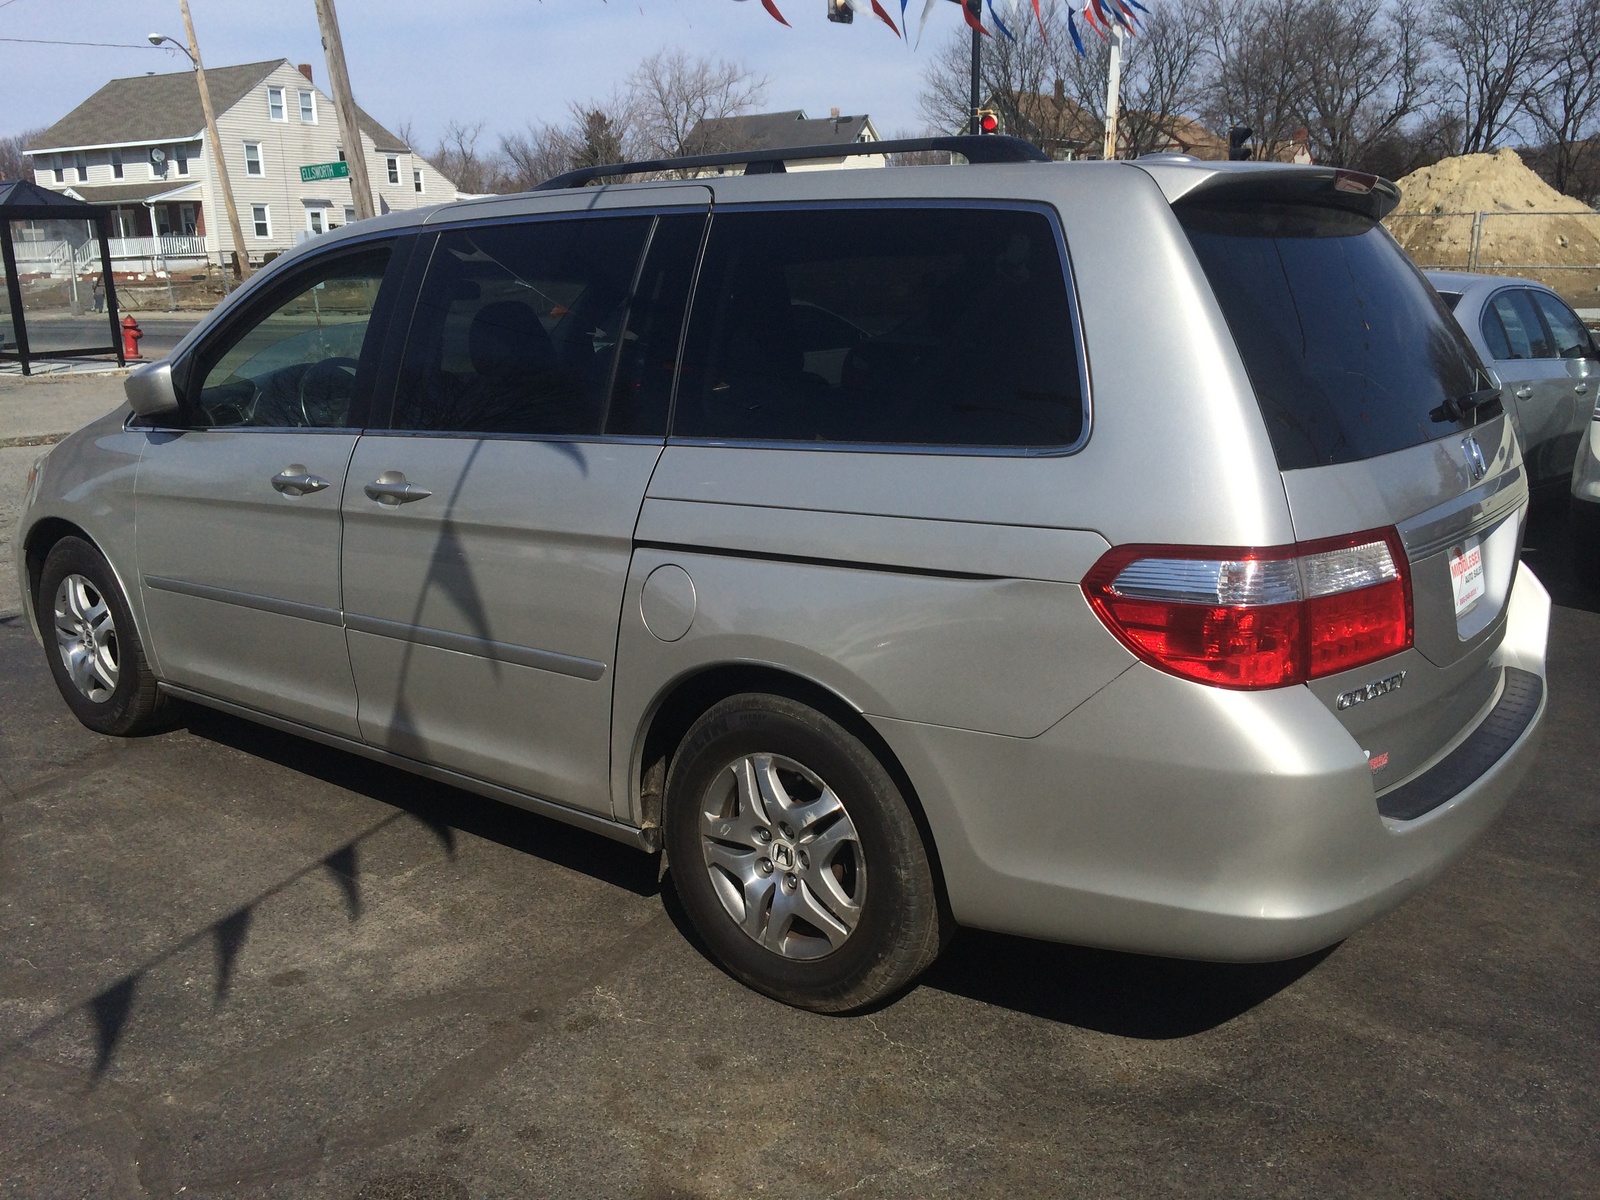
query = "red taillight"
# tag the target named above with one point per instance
(1257, 618)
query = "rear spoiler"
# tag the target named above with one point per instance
(1189, 181)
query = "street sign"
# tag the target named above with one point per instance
(333, 170)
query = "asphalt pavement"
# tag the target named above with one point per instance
(239, 964)
(162, 331)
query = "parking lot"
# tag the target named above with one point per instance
(240, 964)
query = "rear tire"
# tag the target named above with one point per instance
(797, 858)
(91, 644)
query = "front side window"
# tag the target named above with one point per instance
(394, 170)
(308, 107)
(275, 104)
(294, 364)
(262, 220)
(1571, 338)
(532, 328)
(928, 326)
(1521, 334)
(252, 158)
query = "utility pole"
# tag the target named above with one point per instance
(216, 152)
(1113, 92)
(344, 104)
(975, 7)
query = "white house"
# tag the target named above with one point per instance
(139, 145)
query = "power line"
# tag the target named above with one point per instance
(53, 42)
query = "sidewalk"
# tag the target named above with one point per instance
(44, 409)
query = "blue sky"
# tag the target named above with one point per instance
(501, 61)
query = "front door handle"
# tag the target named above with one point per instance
(1524, 392)
(294, 481)
(391, 489)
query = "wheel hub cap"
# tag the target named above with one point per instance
(783, 856)
(86, 638)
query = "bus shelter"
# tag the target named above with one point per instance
(60, 296)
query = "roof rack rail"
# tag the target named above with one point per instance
(981, 148)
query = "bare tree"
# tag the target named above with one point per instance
(538, 153)
(1494, 59)
(1163, 78)
(1258, 64)
(459, 157)
(1565, 110)
(14, 160)
(1364, 73)
(674, 102)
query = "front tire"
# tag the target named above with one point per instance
(91, 643)
(797, 858)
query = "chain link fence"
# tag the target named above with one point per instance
(1559, 249)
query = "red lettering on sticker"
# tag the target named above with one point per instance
(1379, 761)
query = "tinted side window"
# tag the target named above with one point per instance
(1572, 339)
(517, 326)
(293, 364)
(647, 365)
(1524, 333)
(1494, 334)
(910, 326)
(1351, 354)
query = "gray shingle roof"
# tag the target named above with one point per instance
(762, 131)
(159, 108)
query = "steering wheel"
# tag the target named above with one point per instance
(323, 387)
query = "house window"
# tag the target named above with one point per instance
(314, 220)
(416, 180)
(80, 164)
(275, 104)
(349, 214)
(341, 153)
(186, 220)
(262, 219)
(252, 159)
(394, 170)
(308, 107)
(180, 155)
(116, 164)
(60, 172)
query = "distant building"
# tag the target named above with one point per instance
(770, 131)
(139, 145)
(1064, 129)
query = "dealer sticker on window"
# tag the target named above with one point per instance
(1466, 575)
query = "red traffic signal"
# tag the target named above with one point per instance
(988, 121)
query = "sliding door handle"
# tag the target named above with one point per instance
(294, 481)
(391, 489)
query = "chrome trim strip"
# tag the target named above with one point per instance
(439, 639)
(639, 839)
(1422, 537)
(269, 604)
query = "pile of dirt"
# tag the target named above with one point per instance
(1519, 221)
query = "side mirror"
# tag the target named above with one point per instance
(149, 389)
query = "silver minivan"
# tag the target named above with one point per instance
(1116, 553)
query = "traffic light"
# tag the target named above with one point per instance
(1237, 137)
(988, 121)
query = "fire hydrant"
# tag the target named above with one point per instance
(131, 333)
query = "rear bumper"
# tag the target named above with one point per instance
(1169, 818)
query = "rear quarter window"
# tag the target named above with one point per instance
(883, 325)
(1350, 353)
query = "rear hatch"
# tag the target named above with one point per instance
(1382, 418)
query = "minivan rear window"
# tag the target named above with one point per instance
(1350, 352)
(883, 325)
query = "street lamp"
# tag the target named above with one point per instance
(192, 50)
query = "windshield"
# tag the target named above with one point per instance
(1350, 352)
